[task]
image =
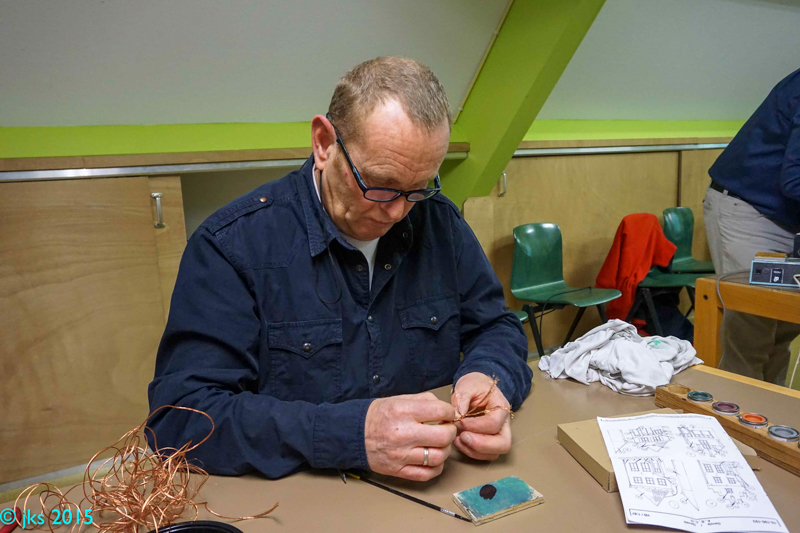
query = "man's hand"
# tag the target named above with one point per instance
(485, 437)
(395, 435)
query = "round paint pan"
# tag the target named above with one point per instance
(698, 396)
(725, 408)
(784, 433)
(753, 420)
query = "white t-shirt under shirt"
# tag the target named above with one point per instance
(368, 248)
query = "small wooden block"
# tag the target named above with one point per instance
(497, 499)
(783, 454)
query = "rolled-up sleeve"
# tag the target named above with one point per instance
(492, 338)
(208, 360)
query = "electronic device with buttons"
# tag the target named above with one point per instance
(777, 272)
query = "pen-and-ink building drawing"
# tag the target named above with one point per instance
(723, 478)
(653, 480)
(652, 439)
(702, 441)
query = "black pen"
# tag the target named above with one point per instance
(409, 497)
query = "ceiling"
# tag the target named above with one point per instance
(678, 60)
(93, 62)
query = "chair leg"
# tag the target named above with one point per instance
(574, 325)
(537, 338)
(690, 291)
(602, 310)
(651, 308)
(637, 302)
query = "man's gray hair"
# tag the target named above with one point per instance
(378, 80)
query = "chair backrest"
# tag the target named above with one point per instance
(678, 228)
(537, 256)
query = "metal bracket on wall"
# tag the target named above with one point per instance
(504, 190)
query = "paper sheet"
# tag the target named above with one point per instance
(685, 472)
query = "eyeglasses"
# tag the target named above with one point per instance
(382, 194)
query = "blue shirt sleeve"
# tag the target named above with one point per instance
(790, 170)
(209, 360)
(492, 338)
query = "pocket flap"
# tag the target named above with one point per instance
(428, 313)
(305, 338)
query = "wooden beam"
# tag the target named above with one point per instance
(707, 322)
(180, 158)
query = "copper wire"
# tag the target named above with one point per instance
(141, 488)
(481, 407)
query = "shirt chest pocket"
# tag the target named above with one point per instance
(431, 329)
(306, 360)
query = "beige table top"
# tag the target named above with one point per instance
(574, 501)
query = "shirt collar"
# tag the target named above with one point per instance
(321, 229)
(361, 245)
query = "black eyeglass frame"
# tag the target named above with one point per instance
(426, 193)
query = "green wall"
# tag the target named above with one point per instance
(160, 139)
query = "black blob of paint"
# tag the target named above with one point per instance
(488, 492)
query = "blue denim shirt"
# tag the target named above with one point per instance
(762, 163)
(286, 359)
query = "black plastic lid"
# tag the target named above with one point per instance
(199, 526)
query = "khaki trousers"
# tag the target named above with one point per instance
(752, 346)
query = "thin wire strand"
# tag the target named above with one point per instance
(544, 307)
(481, 407)
(142, 488)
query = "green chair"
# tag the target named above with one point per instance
(522, 315)
(678, 228)
(537, 277)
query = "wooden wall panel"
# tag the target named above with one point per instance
(170, 240)
(587, 196)
(694, 181)
(82, 314)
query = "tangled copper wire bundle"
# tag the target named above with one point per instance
(481, 407)
(141, 488)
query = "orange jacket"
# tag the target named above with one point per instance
(638, 245)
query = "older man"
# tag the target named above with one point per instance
(310, 314)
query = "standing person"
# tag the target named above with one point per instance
(753, 205)
(310, 315)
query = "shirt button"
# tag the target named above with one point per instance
(405, 235)
(360, 268)
(370, 319)
(376, 379)
(387, 266)
(434, 320)
(262, 199)
(307, 347)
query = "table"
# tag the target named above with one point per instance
(574, 501)
(738, 295)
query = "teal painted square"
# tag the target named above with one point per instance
(511, 491)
